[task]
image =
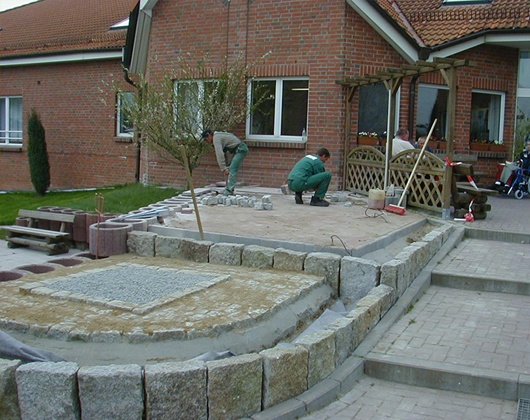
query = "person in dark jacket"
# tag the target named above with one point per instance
(309, 173)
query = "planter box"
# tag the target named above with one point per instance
(479, 147)
(367, 141)
(500, 148)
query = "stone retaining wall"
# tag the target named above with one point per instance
(235, 387)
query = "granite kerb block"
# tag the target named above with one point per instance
(194, 250)
(167, 246)
(226, 253)
(48, 390)
(285, 374)
(357, 277)
(176, 390)
(344, 339)
(111, 392)
(285, 259)
(8, 390)
(234, 387)
(257, 256)
(321, 347)
(141, 243)
(325, 264)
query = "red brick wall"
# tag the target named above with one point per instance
(304, 38)
(80, 128)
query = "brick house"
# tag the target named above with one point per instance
(62, 57)
(315, 45)
(73, 57)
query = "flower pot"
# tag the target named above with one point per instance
(499, 148)
(441, 145)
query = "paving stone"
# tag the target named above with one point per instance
(48, 390)
(176, 390)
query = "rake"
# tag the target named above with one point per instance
(397, 209)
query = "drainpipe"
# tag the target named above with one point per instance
(412, 104)
(136, 135)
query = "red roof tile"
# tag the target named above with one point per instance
(55, 26)
(437, 23)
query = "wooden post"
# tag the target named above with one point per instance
(190, 183)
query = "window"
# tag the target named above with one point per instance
(190, 100)
(487, 116)
(373, 108)
(11, 120)
(279, 109)
(432, 104)
(125, 127)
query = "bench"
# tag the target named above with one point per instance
(56, 242)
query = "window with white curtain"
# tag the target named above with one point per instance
(487, 116)
(11, 120)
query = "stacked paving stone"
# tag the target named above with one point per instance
(239, 386)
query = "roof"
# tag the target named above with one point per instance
(436, 23)
(62, 26)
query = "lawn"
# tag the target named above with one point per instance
(119, 199)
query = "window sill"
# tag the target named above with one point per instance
(276, 144)
(123, 139)
(11, 147)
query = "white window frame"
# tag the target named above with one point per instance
(278, 99)
(6, 136)
(499, 137)
(438, 87)
(119, 116)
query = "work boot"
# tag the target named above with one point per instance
(298, 198)
(315, 201)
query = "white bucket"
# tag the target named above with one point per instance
(376, 199)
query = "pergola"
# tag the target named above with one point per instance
(393, 78)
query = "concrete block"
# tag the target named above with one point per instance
(325, 264)
(193, 250)
(226, 253)
(176, 390)
(357, 277)
(343, 329)
(321, 347)
(141, 243)
(111, 392)
(285, 259)
(284, 374)
(234, 386)
(8, 390)
(167, 246)
(48, 390)
(257, 256)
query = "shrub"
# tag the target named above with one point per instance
(39, 165)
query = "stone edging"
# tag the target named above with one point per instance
(235, 387)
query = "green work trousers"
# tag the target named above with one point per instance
(237, 159)
(318, 182)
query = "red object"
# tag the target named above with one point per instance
(392, 208)
(472, 181)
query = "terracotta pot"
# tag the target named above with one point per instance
(480, 147)
(367, 141)
(498, 148)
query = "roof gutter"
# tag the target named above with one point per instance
(385, 26)
(63, 57)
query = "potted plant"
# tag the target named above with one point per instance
(368, 138)
(498, 147)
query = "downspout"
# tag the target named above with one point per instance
(136, 134)
(412, 104)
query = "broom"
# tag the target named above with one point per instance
(397, 209)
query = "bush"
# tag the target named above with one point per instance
(39, 165)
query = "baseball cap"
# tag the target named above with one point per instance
(205, 134)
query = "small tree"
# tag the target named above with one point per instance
(39, 165)
(175, 108)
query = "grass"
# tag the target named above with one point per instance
(119, 199)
